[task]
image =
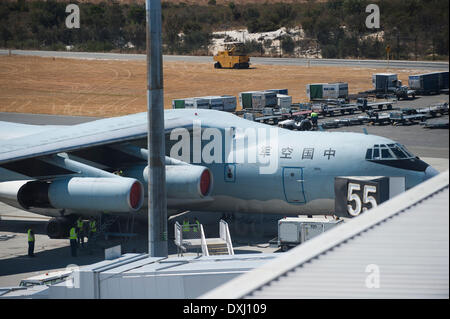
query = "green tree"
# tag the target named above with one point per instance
(287, 44)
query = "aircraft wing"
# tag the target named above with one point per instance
(82, 136)
(71, 166)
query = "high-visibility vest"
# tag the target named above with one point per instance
(80, 224)
(73, 233)
(92, 226)
(313, 114)
(196, 227)
(186, 226)
(30, 235)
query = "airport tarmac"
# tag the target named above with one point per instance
(54, 254)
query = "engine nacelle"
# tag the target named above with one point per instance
(182, 181)
(114, 195)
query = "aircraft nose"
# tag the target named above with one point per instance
(430, 172)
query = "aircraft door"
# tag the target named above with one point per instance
(293, 184)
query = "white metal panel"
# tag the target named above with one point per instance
(289, 232)
(406, 239)
(413, 266)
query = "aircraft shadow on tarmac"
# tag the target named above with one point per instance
(22, 226)
(48, 259)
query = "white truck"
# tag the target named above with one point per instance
(293, 231)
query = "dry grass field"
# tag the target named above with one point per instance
(108, 88)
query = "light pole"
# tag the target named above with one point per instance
(157, 199)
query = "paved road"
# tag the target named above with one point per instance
(44, 119)
(395, 64)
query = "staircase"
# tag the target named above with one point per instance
(217, 248)
(208, 246)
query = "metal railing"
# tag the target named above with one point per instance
(186, 232)
(225, 236)
(205, 251)
(179, 239)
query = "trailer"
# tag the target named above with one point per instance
(364, 105)
(378, 118)
(384, 82)
(293, 231)
(268, 119)
(426, 83)
(401, 118)
(331, 110)
(437, 125)
(388, 84)
(435, 110)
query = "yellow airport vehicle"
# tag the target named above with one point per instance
(231, 59)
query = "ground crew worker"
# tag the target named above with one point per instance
(73, 241)
(196, 226)
(30, 242)
(92, 226)
(186, 227)
(80, 230)
(92, 231)
(314, 118)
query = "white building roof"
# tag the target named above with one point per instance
(398, 250)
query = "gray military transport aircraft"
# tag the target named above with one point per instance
(215, 161)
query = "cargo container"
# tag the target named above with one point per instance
(178, 104)
(196, 103)
(257, 99)
(385, 82)
(317, 91)
(269, 99)
(229, 103)
(284, 101)
(279, 91)
(443, 80)
(214, 102)
(427, 83)
(246, 99)
(221, 103)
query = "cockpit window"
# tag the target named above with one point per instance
(406, 150)
(376, 153)
(388, 152)
(398, 152)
